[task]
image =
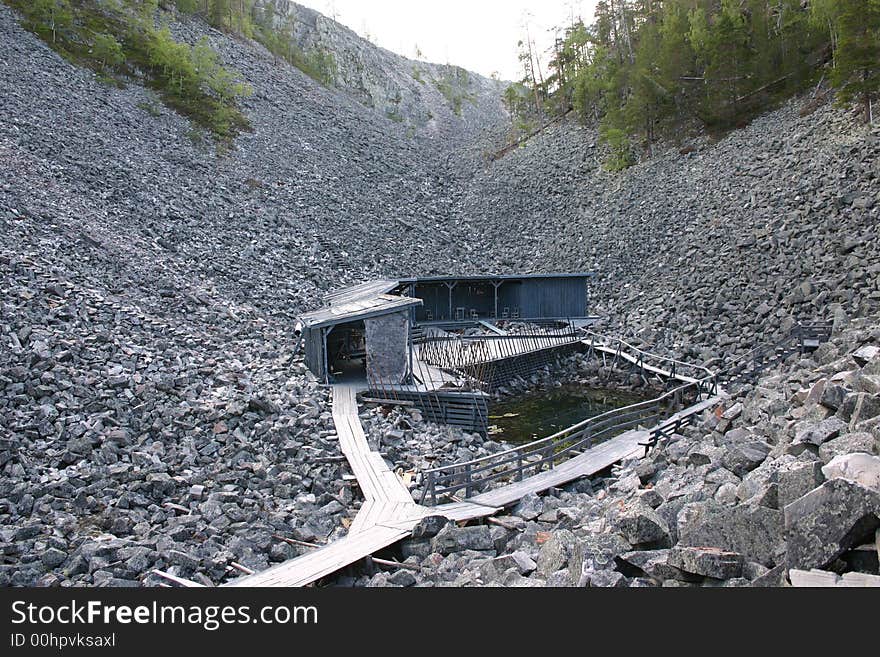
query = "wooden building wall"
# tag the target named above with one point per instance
(535, 298)
(553, 297)
(313, 351)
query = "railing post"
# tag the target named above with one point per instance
(519, 465)
(432, 486)
(468, 488)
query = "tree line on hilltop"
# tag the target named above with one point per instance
(644, 68)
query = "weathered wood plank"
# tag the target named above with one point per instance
(822, 579)
(181, 581)
(590, 462)
(389, 514)
(320, 563)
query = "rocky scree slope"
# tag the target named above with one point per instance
(703, 254)
(152, 413)
(785, 476)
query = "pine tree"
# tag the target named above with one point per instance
(729, 62)
(220, 15)
(187, 6)
(857, 66)
(52, 15)
(107, 50)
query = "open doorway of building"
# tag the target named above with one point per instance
(347, 353)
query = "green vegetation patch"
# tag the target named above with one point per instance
(453, 86)
(119, 39)
(646, 71)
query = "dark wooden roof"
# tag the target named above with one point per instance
(345, 309)
(493, 277)
(366, 290)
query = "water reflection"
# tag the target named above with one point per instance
(539, 414)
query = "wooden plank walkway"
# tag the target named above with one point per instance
(389, 514)
(611, 351)
(626, 445)
(375, 478)
(590, 462)
(325, 561)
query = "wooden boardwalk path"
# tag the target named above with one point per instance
(375, 478)
(389, 513)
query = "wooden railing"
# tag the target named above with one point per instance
(516, 463)
(616, 351)
(466, 351)
(802, 338)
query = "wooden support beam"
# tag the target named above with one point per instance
(177, 580)
(244, 569)
(501, 523)
(386, 402)
(293, 541)
(393, 564)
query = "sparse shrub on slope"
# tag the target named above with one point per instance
(115, 38)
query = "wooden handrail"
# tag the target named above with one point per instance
(548, 450)
(539, 453)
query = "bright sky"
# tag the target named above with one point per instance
(479, 35)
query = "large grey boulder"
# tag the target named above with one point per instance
(859, 406)
(742, 458)
(556, 552)
(529, 507)
(863, 355)
(598, 551)
(796, 479)
(832, 396)
(653, 563)
(603, 579)
(429, 526)
(519, 560)
(861, 468)
(753, 530)
(848, 443)
(707, 561)
(828, 521)
(560, 579)
(787, 478)
(641, 526)
(817, 434)
(774, 577)
(452, 539)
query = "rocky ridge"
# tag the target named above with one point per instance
(444, 102)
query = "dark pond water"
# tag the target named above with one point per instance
(540, 414)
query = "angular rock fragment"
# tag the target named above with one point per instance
(826, 522)
(707, 561)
